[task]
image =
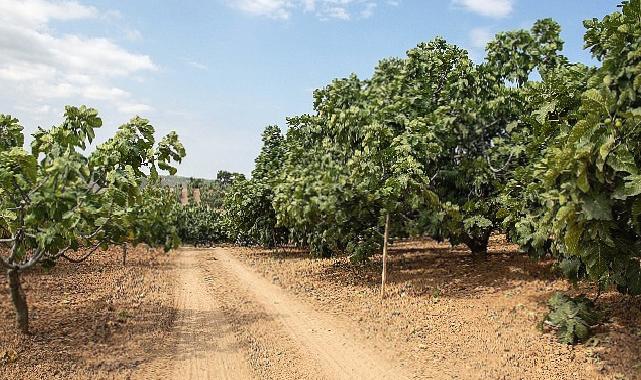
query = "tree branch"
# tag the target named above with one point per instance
(35, 259)
(5, 264)
(86, 255)
(25, 196)
(496, 171)
(37, 187)
(97, 231)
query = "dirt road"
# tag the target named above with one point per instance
(207, 348)
(217, 342)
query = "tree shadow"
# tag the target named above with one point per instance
(101, 337)
(431, 268)
(621, 332)
(85, 321)
(103, 262)
(287, 253)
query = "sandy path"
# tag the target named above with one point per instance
(207, 347)
(325, 339)
(232, 323)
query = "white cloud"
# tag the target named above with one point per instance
(38, 65)
(44, 109)
(35, 13)
(197, 65)
(323, 9)
(479, 37)
(309, 5)
(277, 9)
(339, 13)
(368, 11)
(487, 8)
(134, 108)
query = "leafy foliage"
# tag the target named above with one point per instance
(10, 133)
(199, 225)
(249, 216)
(203, 223)
(587, 174)
(56, 200)
(418, 140)
(573, 318)
(155, 218)
(456, 150)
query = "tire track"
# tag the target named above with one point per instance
(335, 350)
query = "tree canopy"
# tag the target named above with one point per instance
(58, 202)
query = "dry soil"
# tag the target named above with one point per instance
(236, 313)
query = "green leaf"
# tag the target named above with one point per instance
(582, 180)
(632, 185)
(597, 207)
(571, 266)
(595, 259)
(622, 161)
(573, 238)
(572, 317)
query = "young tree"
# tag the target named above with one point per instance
(58, 203)
(226, 179)
(249, 215)
(365, 154)
(133, 148)
(154, 218)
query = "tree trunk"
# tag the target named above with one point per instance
(19, 301)
(384, 274)
(124, 254)
(478, 245)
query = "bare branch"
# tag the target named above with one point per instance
(97, 231)
(5, 264)
(435, 175)
(35, 259)
(509, 159)
(86, 255)
(25, 196)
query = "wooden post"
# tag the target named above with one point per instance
(384, 274)
(124, 254)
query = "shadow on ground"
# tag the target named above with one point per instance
(100, 319)
(426, 267)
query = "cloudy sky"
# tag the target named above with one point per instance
(218, 71)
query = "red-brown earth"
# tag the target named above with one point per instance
(252, 313)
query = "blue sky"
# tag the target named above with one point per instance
(219, 71)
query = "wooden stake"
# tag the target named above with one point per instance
(124, 254)
(384, 274)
